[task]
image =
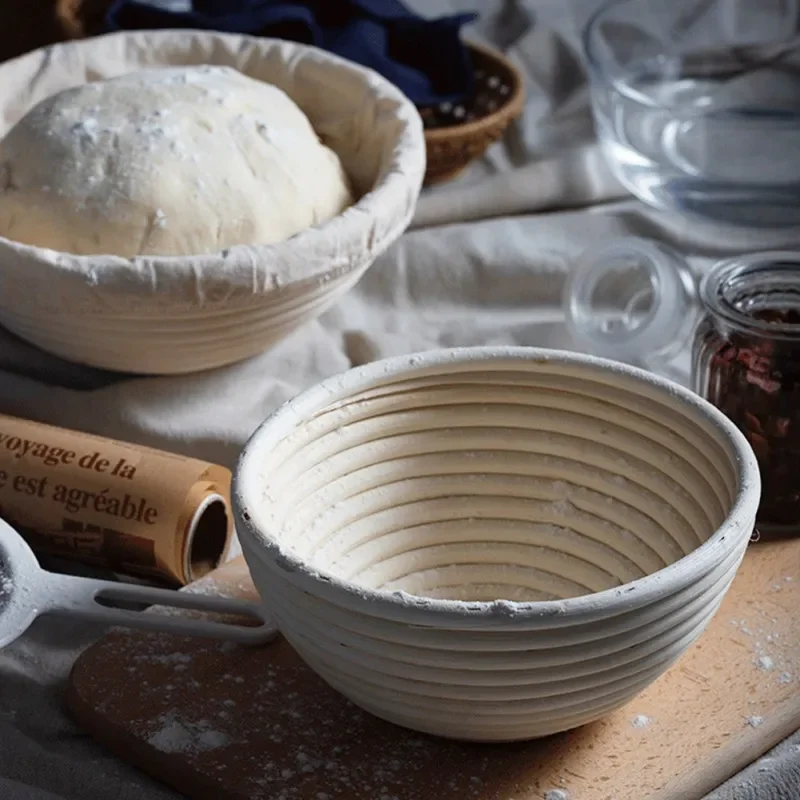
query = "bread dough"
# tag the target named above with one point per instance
(174, 161)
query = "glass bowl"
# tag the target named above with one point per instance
(697, 105)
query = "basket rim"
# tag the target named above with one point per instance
(511, 108)
(254, 524)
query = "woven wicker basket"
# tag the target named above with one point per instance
(452, 148)
(449, 148)
(81, 18)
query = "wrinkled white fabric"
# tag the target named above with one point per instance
(496, 279)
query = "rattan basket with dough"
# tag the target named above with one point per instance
(494, 544)
(182, 314)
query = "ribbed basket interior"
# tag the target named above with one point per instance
(536, 484)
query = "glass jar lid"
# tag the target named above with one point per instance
(630, 299)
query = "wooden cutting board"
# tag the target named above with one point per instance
(228, 723)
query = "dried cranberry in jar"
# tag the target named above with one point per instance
(746, 361)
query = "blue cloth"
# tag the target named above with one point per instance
(425, 58)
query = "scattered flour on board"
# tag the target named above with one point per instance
(175, 736)
(164, 658)
(640, 721)
(299, 745)
(742, 626)
(319, 741)
(762, 631)
(754, 721)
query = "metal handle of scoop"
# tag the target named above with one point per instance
(96, 601)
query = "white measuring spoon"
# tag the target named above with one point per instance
(27, 591)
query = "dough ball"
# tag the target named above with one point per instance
(175, 161)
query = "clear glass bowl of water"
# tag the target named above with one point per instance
(697, 105)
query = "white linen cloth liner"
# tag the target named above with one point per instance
(495, 281)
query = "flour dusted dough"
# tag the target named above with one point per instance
(169, 161)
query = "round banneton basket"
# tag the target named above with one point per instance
(494, 544)
(182, 314)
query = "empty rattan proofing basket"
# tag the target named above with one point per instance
(494, 544)
(499, 98)
(181, 314)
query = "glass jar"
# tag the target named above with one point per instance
(697, 105)
(746, 361)
(638, 301)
